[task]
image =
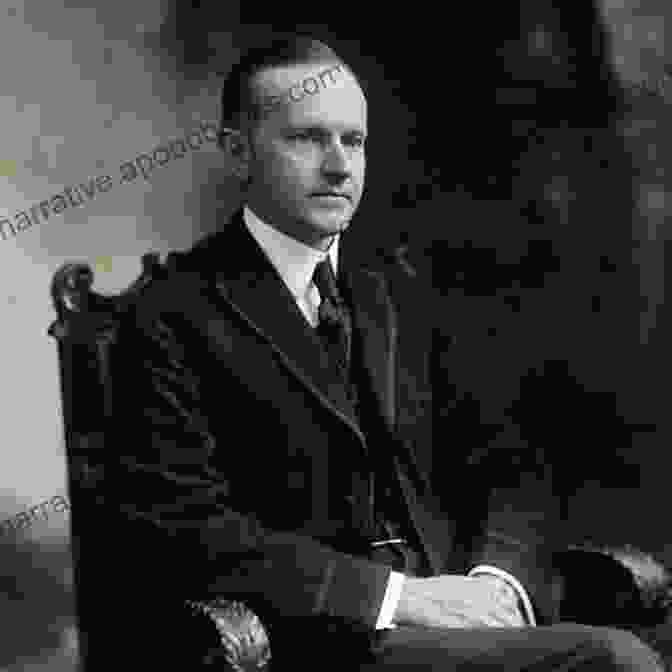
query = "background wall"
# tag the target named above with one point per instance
(554, 279)
(88, 86)
(85, 89)
(638, 52)
(555, 292)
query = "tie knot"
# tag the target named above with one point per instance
(325, 281)
(334, 326)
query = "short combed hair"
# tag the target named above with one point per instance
(239, 107)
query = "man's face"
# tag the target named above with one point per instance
(306, 165)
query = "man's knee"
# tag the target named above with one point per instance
(623, 650)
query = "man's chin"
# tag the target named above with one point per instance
(334, 224)
(324, 232)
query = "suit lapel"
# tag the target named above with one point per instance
(247, 281)
(375, 327)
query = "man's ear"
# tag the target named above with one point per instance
(236, 145)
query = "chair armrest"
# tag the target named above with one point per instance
(243, 642)
(614, 586)
(653, 580)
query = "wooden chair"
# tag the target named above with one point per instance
(221, 634)
(633, 589)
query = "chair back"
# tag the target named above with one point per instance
(85, 331)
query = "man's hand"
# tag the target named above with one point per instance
(454, 601)
(507, 595)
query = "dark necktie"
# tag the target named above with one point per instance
(335, 331)
(335, 325)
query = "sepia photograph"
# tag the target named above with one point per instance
(335, 343)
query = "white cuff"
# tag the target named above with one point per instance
(522, 593)
(390, 601)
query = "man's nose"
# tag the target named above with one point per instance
(336, 161)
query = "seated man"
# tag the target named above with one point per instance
(265, 433)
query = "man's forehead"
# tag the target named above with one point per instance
(321, 92)
(279, 79)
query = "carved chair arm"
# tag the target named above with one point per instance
(243, 642)
(634, 591)
(616, 586)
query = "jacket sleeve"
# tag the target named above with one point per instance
(180, 511)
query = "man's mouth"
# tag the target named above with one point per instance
(332, 194)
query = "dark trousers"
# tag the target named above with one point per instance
(561, 647)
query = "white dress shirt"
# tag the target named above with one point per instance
(295, 263)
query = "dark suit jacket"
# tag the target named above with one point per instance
(234, 435)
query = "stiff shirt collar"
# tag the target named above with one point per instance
(294, 261)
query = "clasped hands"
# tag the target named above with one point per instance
(455, 601)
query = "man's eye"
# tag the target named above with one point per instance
(356, 141)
